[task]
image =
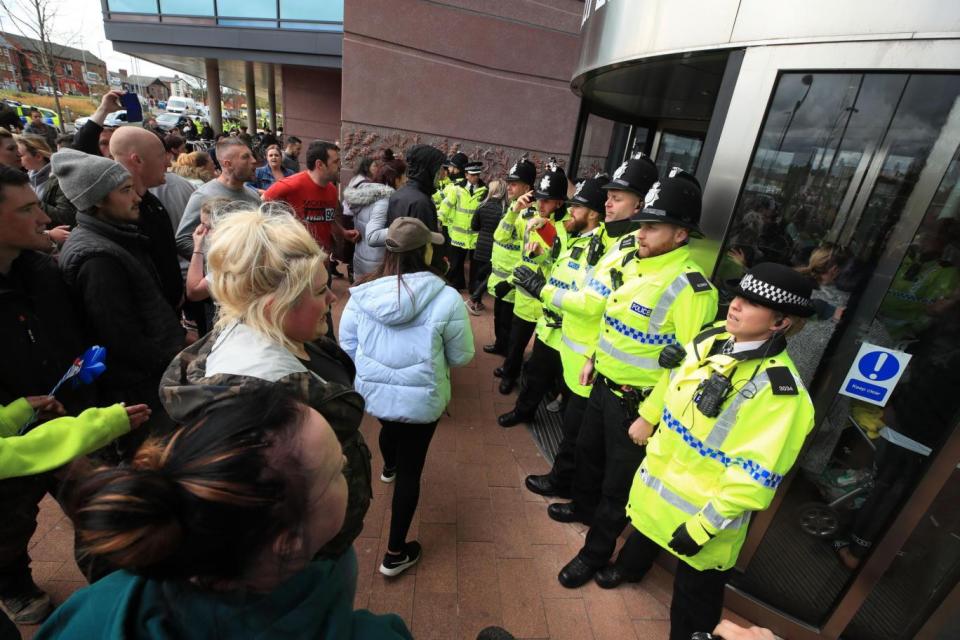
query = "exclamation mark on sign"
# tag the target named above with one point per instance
(881, 358)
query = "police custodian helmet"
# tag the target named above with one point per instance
(677, 200)
(522, 171)
(553, 184)
(636, 175)
(590, 194)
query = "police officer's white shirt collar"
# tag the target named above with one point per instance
(747, 346)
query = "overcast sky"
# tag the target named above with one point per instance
(81, 22)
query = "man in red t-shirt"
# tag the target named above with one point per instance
(313, 195)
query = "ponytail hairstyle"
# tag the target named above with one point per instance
(203, 501)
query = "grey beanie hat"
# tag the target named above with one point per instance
(86, 179)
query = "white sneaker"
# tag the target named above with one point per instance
(395, 564)
(388, 475)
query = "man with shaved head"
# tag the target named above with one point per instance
(237, 164)
(142, 154)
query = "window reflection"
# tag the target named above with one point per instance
(187, 7)
(678, 150)
(833, 176)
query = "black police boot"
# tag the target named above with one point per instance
(566, 512)
(506, 385)
(512, 419)
(492, 348)
(576, 573)
(613, 576)
(498, 372)
(546, 485)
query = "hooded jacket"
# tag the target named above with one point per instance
(316, 603)
(404, 337)
(224, 363)
(368, 201)
(413, 199)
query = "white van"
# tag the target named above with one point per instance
(178, 104)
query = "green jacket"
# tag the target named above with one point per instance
(56, 442)
(663, 300)
(457, 210)
(582, 310)
(710, 474)
(506, 250)
(316, 603)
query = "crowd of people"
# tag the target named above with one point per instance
(220, 477)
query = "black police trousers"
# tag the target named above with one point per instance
(697, 603)
(540, 373)
(502, 322)
(458, 257)
(520, 332)
(606, 462)
(564, 464)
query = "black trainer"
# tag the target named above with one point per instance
(396, 563)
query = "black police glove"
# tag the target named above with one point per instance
(683, 543)
(502, 288)
(529, 280)
(671, 356)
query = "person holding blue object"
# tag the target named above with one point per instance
(231, 510)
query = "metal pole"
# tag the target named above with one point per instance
(272, 96)
(251, 98)
(213, 94)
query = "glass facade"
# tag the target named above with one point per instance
(293, 14)
(833, 190)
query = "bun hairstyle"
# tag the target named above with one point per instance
(390, 171)
(203, 501)
(260, 262)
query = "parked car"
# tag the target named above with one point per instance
(181, 105)
(173, 121)
(49, 115)
(114, 119)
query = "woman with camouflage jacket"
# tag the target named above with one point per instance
(267, 275)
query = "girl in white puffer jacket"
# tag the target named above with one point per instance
(404, 328)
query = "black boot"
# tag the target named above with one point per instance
(546, 485)
(576, 573)
(494, 349)
(566, 512)
(512, 418)
(506, 385)
(613, 576)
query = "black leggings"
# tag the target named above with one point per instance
(403, 446)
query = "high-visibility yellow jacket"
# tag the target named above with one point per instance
(457, 209)
(437, 196)
(712, 473)
(582, 310)
(525, 306)
(570, 272)
(506, 249)
(663, 300)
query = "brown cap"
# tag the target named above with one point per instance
(407, 234)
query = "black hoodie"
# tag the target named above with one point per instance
(413, 199)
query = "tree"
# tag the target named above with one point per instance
(36, 19)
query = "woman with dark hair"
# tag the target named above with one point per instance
(215, 529)
(271, 172)
(368, 200)
(404, 328)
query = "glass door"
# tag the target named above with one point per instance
(855, 182)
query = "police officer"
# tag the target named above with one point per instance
(582, 310)
(730, 422)
(536, 253)
(506, 253)
(585, 245)
(460, 202)
(665, 298)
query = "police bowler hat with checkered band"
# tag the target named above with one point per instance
(676, 199)
(473, 167)
(636, 175)
(553, 184)
(522, 171)
(590, 194)
(777, 287)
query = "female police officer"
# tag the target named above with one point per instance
(732, 418)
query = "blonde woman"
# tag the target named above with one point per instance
(35, 158)
(197, 167)
(267, 276)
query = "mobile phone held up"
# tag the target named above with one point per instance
(131, 103)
